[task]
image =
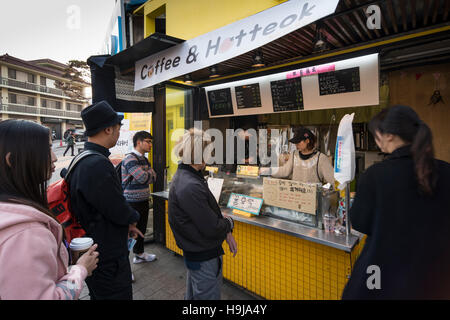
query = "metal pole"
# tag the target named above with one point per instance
(347, 209)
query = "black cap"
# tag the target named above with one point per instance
(98, 116)
(301, 134)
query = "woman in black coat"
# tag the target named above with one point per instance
(403, 206)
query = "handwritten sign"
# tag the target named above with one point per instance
(245, 203)
(252, 171)
(290, 194)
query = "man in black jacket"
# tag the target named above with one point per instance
(97, 201)
(198, 225)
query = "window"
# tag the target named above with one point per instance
(43, 81)
(31, 101)
(12, 98)
(11, 73)
(31, 78)
(43, 103)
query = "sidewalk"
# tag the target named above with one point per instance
(165, 278)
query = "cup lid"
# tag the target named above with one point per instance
(81, 243)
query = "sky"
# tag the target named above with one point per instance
(60, 30)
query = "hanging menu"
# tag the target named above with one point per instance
(220, 102)
(287, 95)
(248, 96)
(341, 81)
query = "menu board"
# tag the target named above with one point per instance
(341, 81)
(248, 96)
(290, 194)
(245, 203)
(220, 102)
(287, 95)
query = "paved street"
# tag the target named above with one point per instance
(63, 162)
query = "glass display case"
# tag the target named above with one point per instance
(327, 201)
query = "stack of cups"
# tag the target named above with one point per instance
(329, 222)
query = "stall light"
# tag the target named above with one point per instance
(213, 72)
(187, 79)
(320, 43)
(258, 59)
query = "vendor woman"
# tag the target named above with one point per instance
(306, 164)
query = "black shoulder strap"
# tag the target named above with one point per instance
(78, 158)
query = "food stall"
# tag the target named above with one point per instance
(282, 253)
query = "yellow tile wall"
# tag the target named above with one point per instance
(277, 266)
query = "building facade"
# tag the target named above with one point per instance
(28, 91)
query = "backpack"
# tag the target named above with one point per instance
(58, 197)
(118, 169)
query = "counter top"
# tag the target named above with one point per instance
(341, 242)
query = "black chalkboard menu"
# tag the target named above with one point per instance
(287, 95)
(340, 81)
(248, 96)
(220, 102)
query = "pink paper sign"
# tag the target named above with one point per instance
(310, 71)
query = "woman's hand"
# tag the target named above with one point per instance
(232, 243)
(89, 260)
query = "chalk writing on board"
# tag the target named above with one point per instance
(248, 96)
(287, 95)
(220, 102)
(340, 81)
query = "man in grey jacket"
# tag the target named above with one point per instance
(197, 223)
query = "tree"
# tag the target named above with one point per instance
(77, 72)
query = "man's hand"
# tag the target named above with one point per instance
(134, 232)
(232, 243)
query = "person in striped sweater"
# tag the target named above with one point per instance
(137, 175)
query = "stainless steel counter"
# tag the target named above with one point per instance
(341, 242)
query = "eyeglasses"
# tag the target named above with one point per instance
(148, 141)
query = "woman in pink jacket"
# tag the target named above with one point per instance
(33, 258)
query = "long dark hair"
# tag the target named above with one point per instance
(404, 122)
(27, 147)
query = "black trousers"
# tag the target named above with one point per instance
(111, 281)
(67, 149)
(141, 207)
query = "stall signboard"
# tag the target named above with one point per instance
(289, 194)
(245, 203)
(230, 41)
(132, 123)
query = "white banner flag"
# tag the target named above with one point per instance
(230, 41)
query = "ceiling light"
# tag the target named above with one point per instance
(213, 72)
(258, 59)
(320, 42)
(187, 79)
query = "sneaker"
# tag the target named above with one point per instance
(132, 278)
(145, 257)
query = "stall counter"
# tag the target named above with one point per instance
(282, 260)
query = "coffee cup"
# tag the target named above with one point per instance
(79, 246)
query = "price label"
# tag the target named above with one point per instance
(212, 169)
(251, 171)
(245, 203)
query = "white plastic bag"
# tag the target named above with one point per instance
(344, 157)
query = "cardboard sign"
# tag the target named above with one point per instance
(245, 203)
(290, 194)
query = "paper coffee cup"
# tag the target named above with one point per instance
(79, 246)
